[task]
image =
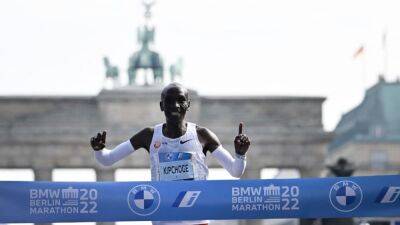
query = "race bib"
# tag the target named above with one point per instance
(176, 166)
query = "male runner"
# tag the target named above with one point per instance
(177, 148)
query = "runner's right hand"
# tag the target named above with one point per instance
(98, 142)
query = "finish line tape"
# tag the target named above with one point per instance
(40, 202)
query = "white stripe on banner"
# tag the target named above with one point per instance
(44, 202)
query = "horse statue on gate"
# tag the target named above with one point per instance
(112, 73)
(175, 70)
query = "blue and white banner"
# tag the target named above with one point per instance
(39, 202)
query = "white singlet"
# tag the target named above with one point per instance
(180, 158)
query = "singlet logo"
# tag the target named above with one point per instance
(183, 142)
(144, 200)
(157, 144)
(345, 196)
(169, 156)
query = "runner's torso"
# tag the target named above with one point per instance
(179, 158)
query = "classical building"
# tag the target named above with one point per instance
(369, 135)
(49, 132)
(43, 133)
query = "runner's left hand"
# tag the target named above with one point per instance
(242, 142)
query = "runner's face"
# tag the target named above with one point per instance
(175, 104)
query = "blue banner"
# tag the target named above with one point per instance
(39, 202)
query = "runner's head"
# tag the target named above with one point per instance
(174, 102)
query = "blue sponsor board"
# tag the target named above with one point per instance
(45, 202)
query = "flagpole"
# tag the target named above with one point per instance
(385, 53)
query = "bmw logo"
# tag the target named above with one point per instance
(169, 156)
(345, 196)
(144, 200)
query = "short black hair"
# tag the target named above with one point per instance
(174, 85)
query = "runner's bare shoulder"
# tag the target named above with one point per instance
(142, 139)
(207, 138)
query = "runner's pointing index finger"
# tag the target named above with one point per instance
(240, 128)
(103, 137)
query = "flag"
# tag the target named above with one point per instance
(359, 52)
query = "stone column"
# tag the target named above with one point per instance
(105, 223)
(315, 172)
(42, 174)
(250, 222)
(251, 172)
(105, 175)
